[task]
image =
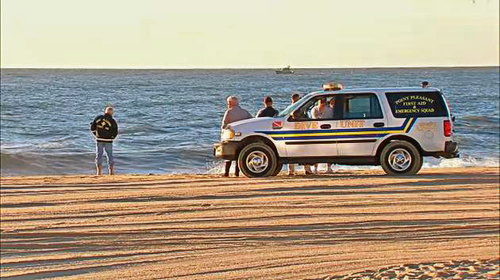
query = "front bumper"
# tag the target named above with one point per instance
(226, 150)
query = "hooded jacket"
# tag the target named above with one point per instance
(104, 128)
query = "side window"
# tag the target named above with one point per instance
(417, 104)
(361, 106)
(304, 113)
(331, 112)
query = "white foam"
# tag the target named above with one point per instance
(217, 167)
(467, 161)
(53, 145)
(429, 163)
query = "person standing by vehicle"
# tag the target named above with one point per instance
(268, 110)
(291, 169)
(105, 129)
(322, 111)
(331, 86)
(425, 84)
(331, 104)
(233, 113)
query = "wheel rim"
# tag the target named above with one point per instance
(257, 161)
(400, 159)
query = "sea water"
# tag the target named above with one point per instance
(169, 119)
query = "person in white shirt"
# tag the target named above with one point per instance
(233, 113)
(322, 111)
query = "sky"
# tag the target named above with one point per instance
(248, 34)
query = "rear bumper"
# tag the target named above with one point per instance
(226, 150)
(450, 150)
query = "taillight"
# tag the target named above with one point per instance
(447, 128)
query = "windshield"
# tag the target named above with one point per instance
(293, 106)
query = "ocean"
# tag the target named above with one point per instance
(169, 119)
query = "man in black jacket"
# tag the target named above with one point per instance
(105, 130)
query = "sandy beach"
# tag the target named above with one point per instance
(286, 227)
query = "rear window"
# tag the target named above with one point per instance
(417, 104)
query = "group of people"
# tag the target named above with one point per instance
(235, 113)
(105, 129)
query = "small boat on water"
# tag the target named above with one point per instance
(285, 70)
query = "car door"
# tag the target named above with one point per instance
(361, 124)
(308, 137)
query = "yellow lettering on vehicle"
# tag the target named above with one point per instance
(306, 125)
(415, 104)
(351, 124)
(414, 97)
(302, 126)
(407, 111)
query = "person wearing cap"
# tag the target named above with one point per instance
(233, 113)
(105, 129)
(268, 110)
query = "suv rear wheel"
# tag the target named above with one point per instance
(257, 160)
(401, 158)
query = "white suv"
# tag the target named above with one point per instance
(392, 127)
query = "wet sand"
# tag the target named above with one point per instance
(208, 227)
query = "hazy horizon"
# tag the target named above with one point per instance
(249, 68)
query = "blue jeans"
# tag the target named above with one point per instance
(100, 147)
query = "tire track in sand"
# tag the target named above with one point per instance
(205, 227)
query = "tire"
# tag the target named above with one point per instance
(257, 160)
(401, 158)
(279, 166)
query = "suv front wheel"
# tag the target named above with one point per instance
(279, 166)
(401, 158)
(257, 160)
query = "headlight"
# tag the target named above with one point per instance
(227, 134)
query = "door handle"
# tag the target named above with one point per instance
(325, 126)
(379, 124)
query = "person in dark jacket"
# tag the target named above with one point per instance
(105, 129)
(268, 110)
